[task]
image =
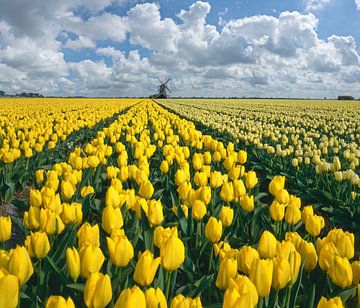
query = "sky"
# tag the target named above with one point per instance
(262, 48)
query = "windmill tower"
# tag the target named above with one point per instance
(162, 89)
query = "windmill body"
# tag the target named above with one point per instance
(163, 88)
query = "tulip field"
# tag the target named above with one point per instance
(179, 203)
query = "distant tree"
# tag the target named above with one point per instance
(345, 97)
(2, 93)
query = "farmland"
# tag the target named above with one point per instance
(179, 203)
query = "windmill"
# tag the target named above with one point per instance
(162, 89)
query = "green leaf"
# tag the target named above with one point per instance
(79, 287)
(58, 272)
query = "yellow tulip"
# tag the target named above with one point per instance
(9, 291)
(213, 230)
(59, 302)
(73, 262)
(91, 260)
(245, 258)
(267, 245)
(239, 188)
(146, 268)
(112, 197)
(180, 177)
(326, 253)
(242, 157)
(197, 161)
(180, 301)
(35, 198)
(281, 273)
(200, 179)
(355, 266)
(205, 194)
(111, 219)
(161, 235)
(282, 196)
(261, 274)
(67, 189)
(216, 179)
(164, 166)
(86, 190)
(20, 264)
(227, 270)
(227, 192)
(251, 179)
(295, 263)
(314, 224)
(277, 210)
(97, 291)
(247, 203)
(5, 228)
(39, 245)
(240, 293)
(292, 214)
(155, 298)
(88, 235)
(198, 210)
(172, 253)
(334, 302)
(340, 271)
(308, 255)
(155, 212)
(130, 298)
(226, 215)
(121, 251)
(276, 184)
(39, 176)
(306, 212)
(146, 190)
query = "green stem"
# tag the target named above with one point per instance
(211, 257)
(168, 281)
(261, 302)
(288, 297)
(197, 233)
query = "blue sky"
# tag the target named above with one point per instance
(293, 48)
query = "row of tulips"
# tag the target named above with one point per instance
(153, 213)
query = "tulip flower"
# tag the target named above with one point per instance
(205, 194)
(334, 302)
(172, 253)
(308, 255)
(292, 214)
(59, 302)
(200, 179)
(216, 179)
(39, 176)
(247, 203)
(251, 179)
(86, 190)
(155, 298)
(111, 219)
(121, 251)
(306, 212)
(146, 268)
(67, 189)
(284, 248)
(261, 274)
(35, 198)
(130, 298)
(38, 245)
(227, 270)
(242, 157)
(112, 197)
(227, 192)
(198, 210)
(73, 262)
(340, 271)
(226, 215)
(88, 235)
(355, 266)
(294, 259)
(91, 260)
(146, 190)
(267, 245)
(5, 228)
(164, 167)
(240, 293)
(277, 211)
(161, 235)
(281, 273)
(197, 161)
(314, 224)
(213, 230)
(9, 290)
(180, 301)
(97, 291)
(245, 258)
(276, 184)
(155, 212)
(20, 264)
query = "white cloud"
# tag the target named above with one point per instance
(316, 5)
(81, 42)
(357, 3)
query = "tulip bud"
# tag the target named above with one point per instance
(111, 219)
(227, 192)
(88, 235)
(281, 273)
(277, 211)
(5, 228)
(261, 273)
(35, 198)
(247, 203)
(155, 212)
(73, 262)
(39, 175)
(9, 291)
(227, 270)
(308, 255)
(295, 263)
(267, 245)
(129, 298)
(164, 166)
(146, 190)
(146, 268)
(216, 179)
(283, 196)
(200, 179)
(292, 214)
(245, 258)
(251, 179)
(86, 190)
(226, 215)
(121, 251)
(91, 260)
(340, 271)
(314, 224)
(112, 197)
(276, 184)
(213, 230)
(67, 189)
(97, 291)
(306, 212)
(59, 302)
(155, 298)
(334, 302)
(198, 210)
(172, 253)
(39, 245)
(20, 264)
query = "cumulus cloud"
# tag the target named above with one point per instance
(357, 3)
(316, 5)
